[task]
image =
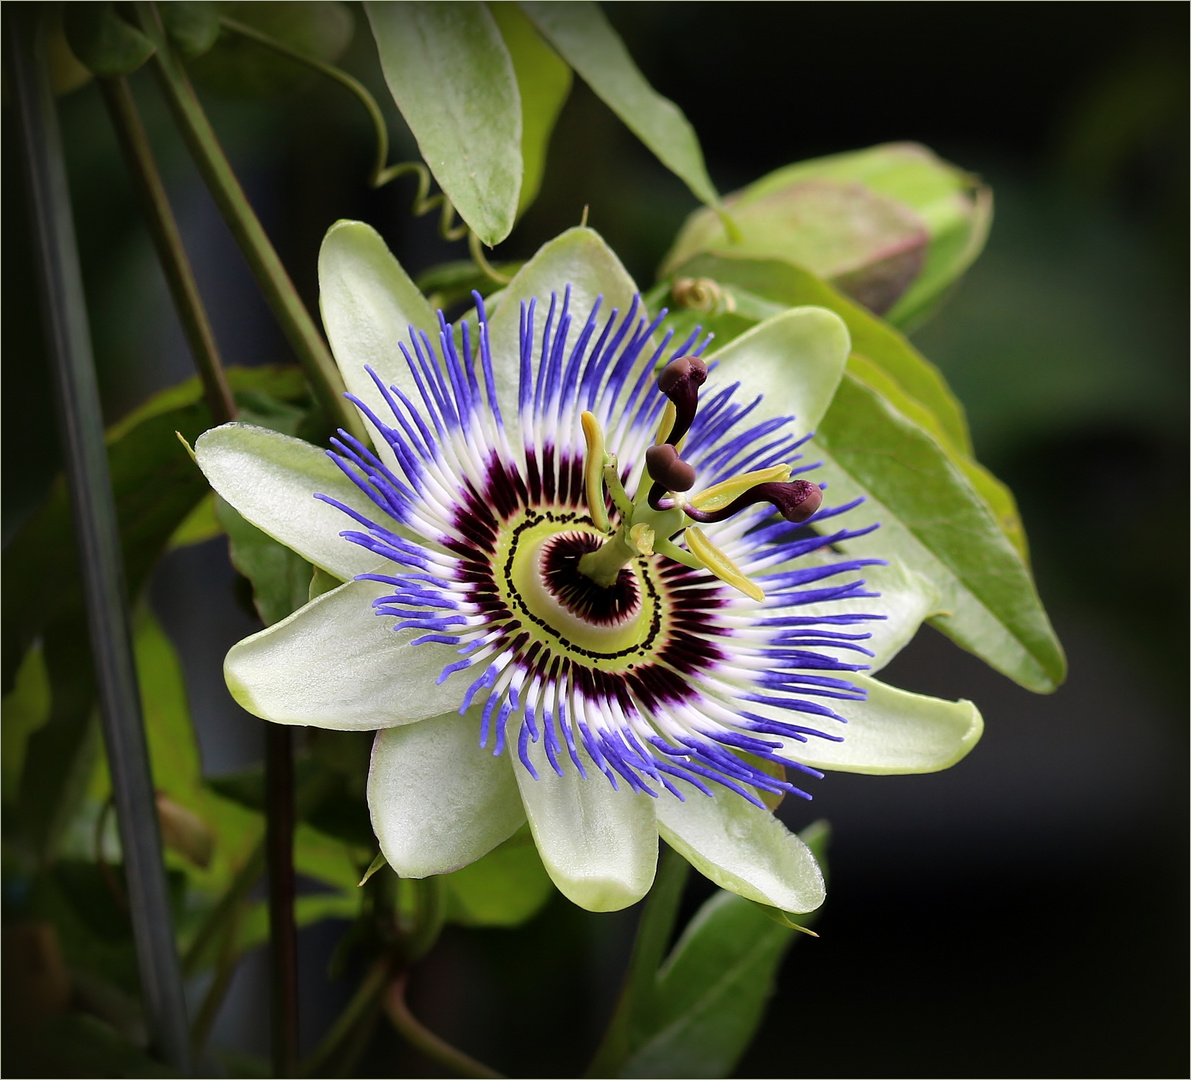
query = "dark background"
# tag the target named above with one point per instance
(1023, 913)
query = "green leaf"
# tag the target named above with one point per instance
(779, 281)
(156, 486)
(85, 1046)
(26, 708)
(507, 887)
(191, 25)
(238, 68)
(60, 756)
(933, 520)
(280, 577)
(453, 80)
(710, 994)
(199, 525)
(103, 42)
(995, 494)
(586, 41)
(544, 82)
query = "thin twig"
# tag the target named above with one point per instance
(423, 1039)
(283, 941)
(271, 276)
(366, 997)
(167, 240)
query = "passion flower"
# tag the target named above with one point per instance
(590, 581)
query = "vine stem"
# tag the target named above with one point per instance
(275, 284)
(80, 424)
(649, 948)
(283, 933)
(423, 1039)
(163, 228)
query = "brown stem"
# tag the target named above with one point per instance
(423, 1039)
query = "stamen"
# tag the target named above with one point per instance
(719, 563)
(796, 501)
(669, 470)
(720, 495)
(680, 381)
(593, 471)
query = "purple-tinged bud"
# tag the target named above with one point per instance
(796, 501)
(668, 470)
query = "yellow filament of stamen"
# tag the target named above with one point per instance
(641, 537)
(593, 471)
(720, 495)
(666, 424)
(719, 563)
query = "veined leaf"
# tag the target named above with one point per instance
(586, 41)
(933, 520)
(710, 994)
(544, 82)
(454, 82)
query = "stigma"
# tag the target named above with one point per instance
(663, 512)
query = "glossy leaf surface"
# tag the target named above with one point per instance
(453, 80)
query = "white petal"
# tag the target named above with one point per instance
(335, 664)
(271, 479)
(742, 848)
(892, 731)
(438, 801)
(599, 846)
(579, 258)
(368, 304)
(795, 360)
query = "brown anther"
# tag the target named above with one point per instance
(797, 501)
(680, 381)
(668, 470)
(682, 369)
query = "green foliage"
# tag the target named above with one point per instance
(696, 1012)
(507, 887)
(892, 226)
(454, 82)
(544, 82)
(935, 522)
(104, 43)
(191, 25)
(586, 41)
(238, 68)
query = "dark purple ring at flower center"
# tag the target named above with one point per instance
(598, 605)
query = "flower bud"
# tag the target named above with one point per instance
(892, 226)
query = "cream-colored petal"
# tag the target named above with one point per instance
(891, 731)
(271, 479)
(438, 801)
(599, 845)
(742, 848)
(368, 304)
(336, 664)
(794, 360)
